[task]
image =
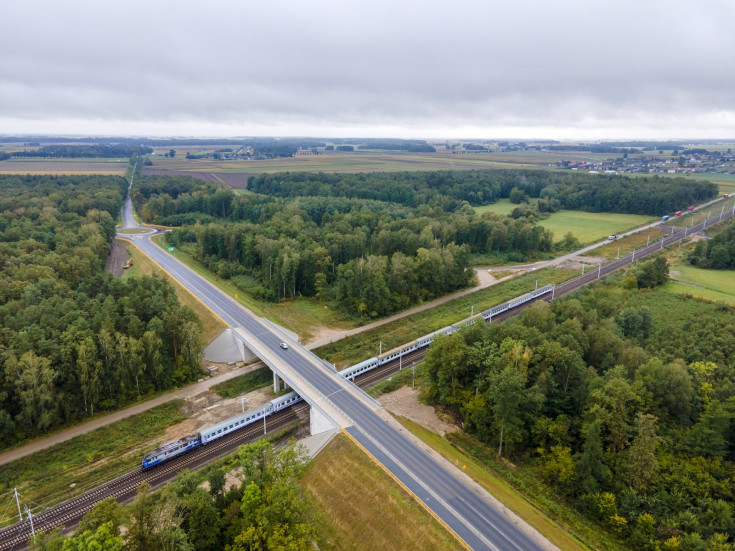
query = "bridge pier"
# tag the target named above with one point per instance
(319, 423)
(277, 382)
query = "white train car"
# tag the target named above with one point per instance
(282, 402)
(351, 372)
(233, 423)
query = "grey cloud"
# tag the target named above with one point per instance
(405, 65)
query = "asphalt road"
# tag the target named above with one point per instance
(481, 525)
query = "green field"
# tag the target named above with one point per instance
(586, 226)
(714, 285)
(589, 227)
(502, 207)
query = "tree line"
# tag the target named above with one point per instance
(74, 340)
(263, 508)
(85, 151)
(620, 399)
(717, 253)
(577, 191)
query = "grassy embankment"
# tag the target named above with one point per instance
(212, 325)
(350, 350)
(363, 508)
(70, 468)
(626, 245)
(302, 316)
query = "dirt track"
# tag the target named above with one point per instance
(118, 256)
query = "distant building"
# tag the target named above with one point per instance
(306, 152)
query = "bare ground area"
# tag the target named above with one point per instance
(404, 402)
(118, 256)
(206, 408)
(590, 263)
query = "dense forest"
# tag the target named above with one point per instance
(371, 257)
(621, 399)
(263, 509)
(577, 191)
(376, 243)
(717, 253)
(74, 340)
(86, 151)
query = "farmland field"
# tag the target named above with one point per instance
(591, 226)
(64, 166)
(359, 162)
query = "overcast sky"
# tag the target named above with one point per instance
(485, 69)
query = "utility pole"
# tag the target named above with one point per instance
(618, 251)
(400, 362)
(17, 501)
(583, 268)
(553, 290)
(472, 311)
(648, 241)
(243, 403)
(265, 428)
(662, 242)
(30, 518)
(380, 348)
(413, 368)
(633, 256)
(599, 270)
(537, 284)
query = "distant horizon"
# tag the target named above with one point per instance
(182, 137)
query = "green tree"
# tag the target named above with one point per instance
(591, 467)
(642, 462)
(34, 383)
(101, 539)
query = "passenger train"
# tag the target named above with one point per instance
(208, 434)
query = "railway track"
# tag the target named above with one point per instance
(124, 488)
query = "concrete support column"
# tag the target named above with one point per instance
(276, 383)
(318, 422)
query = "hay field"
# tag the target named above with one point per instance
(115, 167)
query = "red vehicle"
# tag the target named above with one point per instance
(690, 209)
(678, 213)
(726, 195)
